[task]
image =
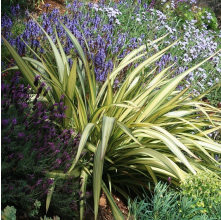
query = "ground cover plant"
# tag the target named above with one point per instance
(135, 125)
(189, 10)
(22, 5)
(205, 187)
(165, 203)
(10, 213)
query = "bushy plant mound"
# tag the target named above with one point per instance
(206, 188)
(165, 203)
(9, 213)
(32, 144)
(190, 10)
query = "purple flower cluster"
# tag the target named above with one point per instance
(152, 4)
(15, 10)
(165, 61)
(6, 24)
(109, 42)
(33, 144)
(42, 185)
(100, 35)
(39, 118)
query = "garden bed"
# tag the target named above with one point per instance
(102, 101)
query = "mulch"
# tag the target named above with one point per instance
(105, 212)
(59, 4)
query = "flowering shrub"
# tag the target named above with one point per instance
(203, 15)
(205, 187)
(114, 29)
(190, 10)
(32, 145)
(16, 7)
(145, 119)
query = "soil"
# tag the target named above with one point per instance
(59, 4)
(105, 209)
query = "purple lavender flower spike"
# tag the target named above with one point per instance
(216, 157)
(21, 135)
(4, 122)
(46, 91)
(14, 121)
(36, 80)
(62, 98)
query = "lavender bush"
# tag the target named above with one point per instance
(112, 30)
(32, 145)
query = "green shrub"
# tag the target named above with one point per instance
(18, 28)
(31, 145)
(206, 187)
(9, 213)
(202, 15)
(164, 204)
(24, 4)
(214, 96)
(188, 12)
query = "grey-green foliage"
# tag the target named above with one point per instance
(216, 211)
(165, 204)
(9, 213)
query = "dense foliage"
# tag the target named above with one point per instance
(205, 187)
(9, 213)
(8, 6)
(168, 204)
(133, 93)
(144, 127)
(32, 144)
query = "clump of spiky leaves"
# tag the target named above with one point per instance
(167, 204)
(139, 132)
